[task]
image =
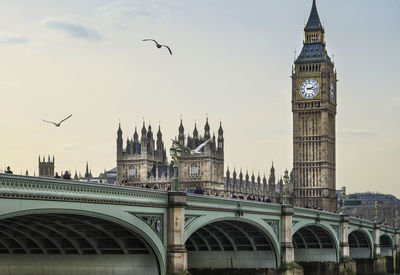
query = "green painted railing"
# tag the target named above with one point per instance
(14, 186)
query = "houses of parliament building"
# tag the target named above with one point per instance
(143, 163)
(311, 183)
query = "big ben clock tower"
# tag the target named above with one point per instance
(314, 111)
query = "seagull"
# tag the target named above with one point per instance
(193, 151)
(159, 45)
(59, 123)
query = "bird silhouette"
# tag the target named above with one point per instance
(59, 123)
(192, 151)
(159, 45)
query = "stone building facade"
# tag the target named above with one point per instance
(276, 190)
(314, 111)
(144, 162)
(46, 168)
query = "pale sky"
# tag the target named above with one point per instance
(231, 60)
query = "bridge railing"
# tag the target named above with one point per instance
(195, 201)
(15, 186)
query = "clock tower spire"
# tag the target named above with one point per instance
(314, 112)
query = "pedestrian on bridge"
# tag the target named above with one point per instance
(8, 171)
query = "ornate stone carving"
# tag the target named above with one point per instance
(336, 228)
(155, 221)
(274, 225)
(189, 219)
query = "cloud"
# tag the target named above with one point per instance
(8, 38)
(359, 132)
(73, 29)
(124, 13)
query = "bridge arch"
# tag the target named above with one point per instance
(107, 233)
(360, 243)
(231, 242)
(386, 241)
(315, 242)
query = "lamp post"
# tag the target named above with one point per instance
(285, 192)
(176, 153)
(343, 199)
(376, 212)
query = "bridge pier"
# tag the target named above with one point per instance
(176, 251)
(396, 252)
(376, 265)
(379, 261)
(346, 264)
(288, 266)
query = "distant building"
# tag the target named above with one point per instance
(273, 189)
(109, 177)
(46, 168)
(362, 205)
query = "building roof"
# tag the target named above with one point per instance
(313, 22)
(313, 53)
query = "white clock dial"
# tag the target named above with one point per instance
(309, 88)
(332, 90)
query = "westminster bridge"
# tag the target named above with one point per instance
(54, 226)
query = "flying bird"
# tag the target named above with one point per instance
(193, 151)
(159, 45)
(59, 123)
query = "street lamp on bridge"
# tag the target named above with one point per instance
(176, 153)
(285, 187)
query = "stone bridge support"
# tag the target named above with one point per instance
(379, 262)
(288, 266)
(176, 251)
(346, 264)
(396, 254)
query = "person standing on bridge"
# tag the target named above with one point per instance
(8, 171)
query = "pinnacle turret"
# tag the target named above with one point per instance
(135, 135)
(207, 130)
(144, 130)
(159, 135)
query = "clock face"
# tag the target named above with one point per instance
(309, 88)
(332, 90)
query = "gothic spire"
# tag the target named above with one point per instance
(181, 135)
(181, 129)
(135, 135)
(144, 130)
(159, 135)
(119, 132)
(206, 130)
(220, 131)
(314, 41)
(195, 132)
(313, 23)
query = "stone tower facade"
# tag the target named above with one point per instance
(46, 168)
(314, 111)
(206, 169)
(142, 161)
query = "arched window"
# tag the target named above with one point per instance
(131, 172)
(194, 170)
